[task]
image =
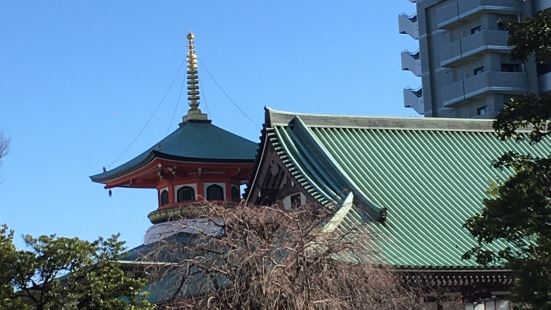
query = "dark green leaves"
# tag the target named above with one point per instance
(525, 117)
(531, 36)
(519, 209)
(69, 273)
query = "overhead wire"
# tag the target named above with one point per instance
(204, 95)
(176, 105)
(151, 116)
(228, 96)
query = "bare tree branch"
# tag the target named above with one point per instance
(4, 144)
(269, 258)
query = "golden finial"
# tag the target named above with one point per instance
(194, 113)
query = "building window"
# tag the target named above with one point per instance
(504, 20)
(185, 193)
(478, 70)
(295, 200)
(489, 305)
(501, 25)
(481, 110)
(476, 29)
(235, 193)
(164, 197)
(543, 68)
(508, 67)
(502, 305)
(215, 192)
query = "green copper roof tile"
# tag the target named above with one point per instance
(197, 141)
(430, 174)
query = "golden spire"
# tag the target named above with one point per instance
(194, 113)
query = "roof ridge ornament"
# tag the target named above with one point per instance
(194, 113)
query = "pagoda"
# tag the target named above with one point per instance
(198, 163)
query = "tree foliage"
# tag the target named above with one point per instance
(519, 210)
(66, 273)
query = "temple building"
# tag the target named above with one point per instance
(197, 162)
(404, 187)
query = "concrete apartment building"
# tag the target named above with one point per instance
(464, 60)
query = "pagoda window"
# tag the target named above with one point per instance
(185, 193)
(235, 193)
(164, 197)
(215, 192)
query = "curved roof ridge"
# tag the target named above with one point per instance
(361, 121)
(333, 168)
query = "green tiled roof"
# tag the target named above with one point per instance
(429, 174)
(198, 141)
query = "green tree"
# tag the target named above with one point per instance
(66, 273)
(7, 259)
(519, 210)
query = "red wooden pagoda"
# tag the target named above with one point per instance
(197, 162)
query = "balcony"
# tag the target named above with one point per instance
(540, 5)
(463, 10)
(411, 62)
(408, 25)
(488, 40)
(507, 82)
(545, 83)
(413, 98)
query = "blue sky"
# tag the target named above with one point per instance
(79, 79)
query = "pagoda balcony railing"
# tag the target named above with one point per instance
(186, 210)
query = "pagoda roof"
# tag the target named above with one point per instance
(194, 141)
(172, 250)
(415, 181)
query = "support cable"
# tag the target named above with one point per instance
(204, 97)
(228, 96)
(152, 115)
(176, 106)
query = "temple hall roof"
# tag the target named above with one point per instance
(415, 181)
